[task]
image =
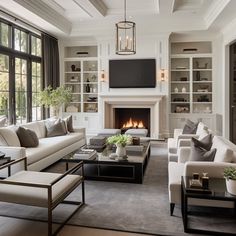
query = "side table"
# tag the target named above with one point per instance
(5, 160)
(217, 191)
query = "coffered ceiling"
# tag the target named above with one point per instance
(73, 18)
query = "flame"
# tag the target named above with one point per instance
(133, 123)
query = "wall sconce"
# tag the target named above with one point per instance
(102, 76)
(162, 75)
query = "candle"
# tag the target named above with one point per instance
(131, 46)
(127, 42)
(120, 42)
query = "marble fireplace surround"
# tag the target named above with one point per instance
(110, 102)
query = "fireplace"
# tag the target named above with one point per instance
(154, 103)
(132, 118)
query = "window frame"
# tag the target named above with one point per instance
(13, 54)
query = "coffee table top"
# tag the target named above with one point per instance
(133, 156)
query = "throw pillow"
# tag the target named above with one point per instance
(205, 142)
(27, 137)
(69, 123)
(190, 127)
(55, 127)
(9, 137)
(201, 154)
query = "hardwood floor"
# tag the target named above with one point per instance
(18, 227)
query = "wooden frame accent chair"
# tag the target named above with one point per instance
(42, 189)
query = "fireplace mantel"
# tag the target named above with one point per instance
(109, 102)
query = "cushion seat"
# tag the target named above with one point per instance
(109, 132)
(48, 146)
(36, 196)
(137, 132)
(172, 145)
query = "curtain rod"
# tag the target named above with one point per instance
(24, 22)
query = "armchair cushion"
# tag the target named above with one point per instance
(36, 196)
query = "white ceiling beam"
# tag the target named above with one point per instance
(156, 6)
(42, 10)
(214, 11)
(94, 8)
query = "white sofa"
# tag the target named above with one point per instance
(225, 156)
(180, 140)
(49, 150)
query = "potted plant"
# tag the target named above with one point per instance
(120, 140)
(230, 176)
(55, 98)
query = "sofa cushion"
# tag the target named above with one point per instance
(38, 127)
(190, 127)
(55, 127)
(8, 137)
(172, 145)
(224, 153)
(27, 137)
(69, 123)
(201, 129)
(200, 154)
(48, 146)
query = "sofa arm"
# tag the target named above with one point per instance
(213, 169)
(183, 154)
(13, 152)
(184, 143)
(80, 130)
(177, 132)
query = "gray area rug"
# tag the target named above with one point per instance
(142, 208)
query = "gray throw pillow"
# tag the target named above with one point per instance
(27, 137)
(190, 127)
(205, 142)
(201, 154)
(55, 127)
(69, 123)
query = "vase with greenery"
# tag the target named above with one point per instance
(230, 176)
(120, 140)
(55, 98)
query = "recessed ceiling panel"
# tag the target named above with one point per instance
(187, 5)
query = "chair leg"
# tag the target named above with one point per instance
(83, 194)
(172, 207)
(49, 221)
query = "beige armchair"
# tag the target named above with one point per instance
(42, 189)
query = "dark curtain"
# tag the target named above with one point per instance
(51, 70)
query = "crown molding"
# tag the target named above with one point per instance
(42, 10)
(214, 11)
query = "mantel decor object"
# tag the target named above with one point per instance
(125, 36)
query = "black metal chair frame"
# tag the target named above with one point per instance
(51, 205)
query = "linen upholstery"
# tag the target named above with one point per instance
(224, 153)
(3, 121)
(9, 137)
(190, 127)
(36, 196)
(69, 123)
(55, 127)
(38, 127)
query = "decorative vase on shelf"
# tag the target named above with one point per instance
(183, 90)
(176, 90)
(120, 151)
(87, 88)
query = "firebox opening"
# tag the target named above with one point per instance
(132, 118)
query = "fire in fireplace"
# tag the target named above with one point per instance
(133, 124)
(132, 118)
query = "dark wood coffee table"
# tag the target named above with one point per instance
(102, 167)
(217, 191)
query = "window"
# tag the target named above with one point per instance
(36, 88)
(36, 46)
(4, 84)
(20, 40)
(20, 73)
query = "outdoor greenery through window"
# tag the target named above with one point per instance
(4, 85)
(20, 73)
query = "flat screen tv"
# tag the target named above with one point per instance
(136, 73)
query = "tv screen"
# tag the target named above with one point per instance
(139, 73)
